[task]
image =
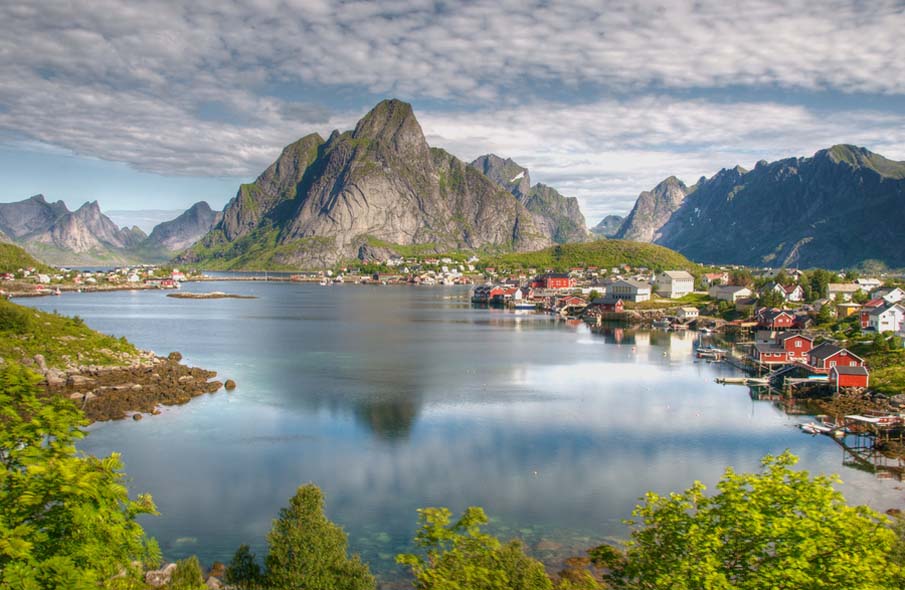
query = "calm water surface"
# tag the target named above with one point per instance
(395, 398)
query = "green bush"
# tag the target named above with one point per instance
(187, 575)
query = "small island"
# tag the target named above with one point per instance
(211, 295)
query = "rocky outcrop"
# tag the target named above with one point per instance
(557, 216)
(113, 392)
(379, 184)
(178, 234)
(608, 226)
(652, 210)
(840, 208)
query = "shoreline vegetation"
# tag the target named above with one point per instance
(107, 377)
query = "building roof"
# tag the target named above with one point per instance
(784, 337)
(850, 370)
(555, 275)
(689, 309)
(826, 350)
(769, 348)
(730, 288)
(843, 287)
(633, 283)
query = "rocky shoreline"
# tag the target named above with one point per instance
(116, 392)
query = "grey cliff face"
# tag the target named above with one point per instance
(839, 208)
(322, 200)
(555, 215)
(608, 226)
(180, 233)
(20, 219)
(652, 210)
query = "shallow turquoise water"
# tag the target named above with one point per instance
(394, 398)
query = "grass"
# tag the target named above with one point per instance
(26, 332)
(601, 253)
(13, 257)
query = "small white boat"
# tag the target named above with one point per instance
(814, 428)
(323, 283)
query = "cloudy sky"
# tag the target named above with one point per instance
(155, 104)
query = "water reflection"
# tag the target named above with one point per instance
(393, 399)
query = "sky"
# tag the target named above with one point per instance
(155, 105)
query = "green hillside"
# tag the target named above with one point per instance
(601, 253)
(12, 258)
(26, 332)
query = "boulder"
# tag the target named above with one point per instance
(42, 364)
(137, 417)
(79, 381)
(214, 583)
(160, 578)
(229, 385)
(175, 356)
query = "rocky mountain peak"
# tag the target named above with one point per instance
(393, 124)
(506, 173)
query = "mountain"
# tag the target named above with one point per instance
(83, 236)
(86, 236)
(556, 215)
(652, 210)
(840, 208)
(178, 234)
(608, 226)
(379, 185)
(34, 214)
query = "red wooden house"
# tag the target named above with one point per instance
(826, 356)
(843, 377)
(553, 281)
(797, 346)
(774, 319)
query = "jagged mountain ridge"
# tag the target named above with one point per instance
(557, 216)
(608, 226)
(840, 208)
(53, 233)
(186, 229)
(378, 185)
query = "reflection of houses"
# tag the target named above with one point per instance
(674, 284)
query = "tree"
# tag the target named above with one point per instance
(66, 520)
(458, 556)
(243, 571)
(779, 528)
(308, 552)
(825, 315)
(187, 575)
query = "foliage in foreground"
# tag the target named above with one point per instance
(775, 529)
(66, 520)
(308, 551)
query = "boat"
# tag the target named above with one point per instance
(323, 283)
(662, 323)
(705, 330)
(814, 428)
(524, 305)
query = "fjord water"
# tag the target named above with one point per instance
(395, 398)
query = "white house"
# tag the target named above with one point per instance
(887, 319)
(868, 284)
(628, 291)
(687, 313)
(846, 290)
(730, 293)
(894, 295)
(674, 284)
(43, 279)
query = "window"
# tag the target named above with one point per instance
(798, 344)
(832, 363)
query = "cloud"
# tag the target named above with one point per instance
(606, 152)
(217, 88)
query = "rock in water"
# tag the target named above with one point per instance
(229, 385)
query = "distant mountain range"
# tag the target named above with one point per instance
(841, 208)
(56, 235)
(377, 189)
(608, 226)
